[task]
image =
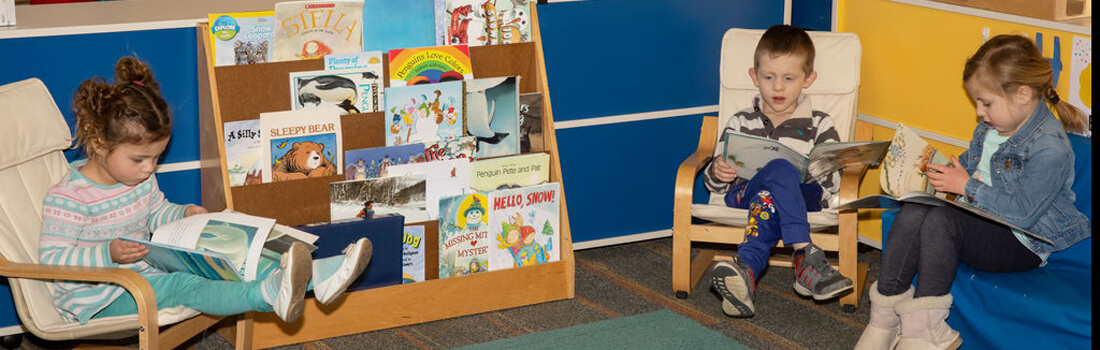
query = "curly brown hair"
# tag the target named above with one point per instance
(131, 110)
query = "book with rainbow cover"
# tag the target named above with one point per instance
(424, 65)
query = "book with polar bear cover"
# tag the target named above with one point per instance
(524, 224)
(424, 113)
(301, 144)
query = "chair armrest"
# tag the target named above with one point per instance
(132, 281)
(850, 180)
(690, 167)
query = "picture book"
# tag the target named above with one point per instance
(221, 246)
(510, 172)
(301, 144)
(278, 242)
(369, 163)
(524, 223)
(401, 195)
(412, 254)
(442, 21)
(244, 152)
(530, 122)
(369, 60)
(921, 197)
(513, 21)
(423, 113)
(470, 22)
(444, 178)
(355, 90)
(398, 24)
(315, 28)
(422, 65)
(748, 154)
(457, 148)
(463, 235)
(906, 162)
(7, 12)
(242, 37)
(492, 115)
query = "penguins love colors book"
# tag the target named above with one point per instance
(424, 65)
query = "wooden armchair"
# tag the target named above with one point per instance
(31, 160)
(835, 92)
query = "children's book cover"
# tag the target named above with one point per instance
(371, 61)
(412, 254)
(369, 163)
(513, 20)
(445, 178)
(352, 90)
(7, 12)
(242, 37)
(524, 223)
(244, 152)
(470, 22)
(463, 235)
(312, 29)
(398, 24)
(530, 122)
(492, 115)
(424, 65)
(905, 166)
(442, 21)
(401, 195)
(301, 144)
(423, 113)
(458, 148)
(510, 172)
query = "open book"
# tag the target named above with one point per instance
(221, 246)
(748, 154)
(904, 180)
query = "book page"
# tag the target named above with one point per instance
(240, 237)
(205, 264)
(748, 154)
(929, 199)
(829, 157)
(903, 168)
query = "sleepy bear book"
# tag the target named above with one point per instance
(463, 235)
(524, 223)
(301, 144)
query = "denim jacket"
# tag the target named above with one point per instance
(1032, 173)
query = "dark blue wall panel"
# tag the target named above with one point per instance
(812, 14)
(613, 57)
(63, 62)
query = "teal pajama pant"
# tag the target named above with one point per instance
(219, 298)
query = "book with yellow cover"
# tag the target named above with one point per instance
(241, 37)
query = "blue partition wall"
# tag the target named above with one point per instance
(625, 59)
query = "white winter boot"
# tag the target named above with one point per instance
(924, 324)
(884, 328)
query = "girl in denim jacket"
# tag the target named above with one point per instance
(1019, 167)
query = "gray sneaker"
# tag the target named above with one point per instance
(813, 276)
(735, 283)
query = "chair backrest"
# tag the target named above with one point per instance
(834, 92)
(31, 160)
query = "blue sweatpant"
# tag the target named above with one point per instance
(777, 201)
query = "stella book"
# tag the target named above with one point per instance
(525, 225)
(904, 179)
(313, 29)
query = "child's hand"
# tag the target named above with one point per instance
(124, 252)
(723, 171)
(193, 209)
(951, 179)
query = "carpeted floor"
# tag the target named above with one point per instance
(616, 282)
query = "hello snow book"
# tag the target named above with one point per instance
(525, 224)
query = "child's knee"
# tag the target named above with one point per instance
(780, 169)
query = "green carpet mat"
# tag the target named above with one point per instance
(654, 330)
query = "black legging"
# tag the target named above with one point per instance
(933, 240)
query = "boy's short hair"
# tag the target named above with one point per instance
(782, 39)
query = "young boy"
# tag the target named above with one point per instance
(775, 197)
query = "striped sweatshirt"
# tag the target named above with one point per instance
(805, 129)
(80, 219)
